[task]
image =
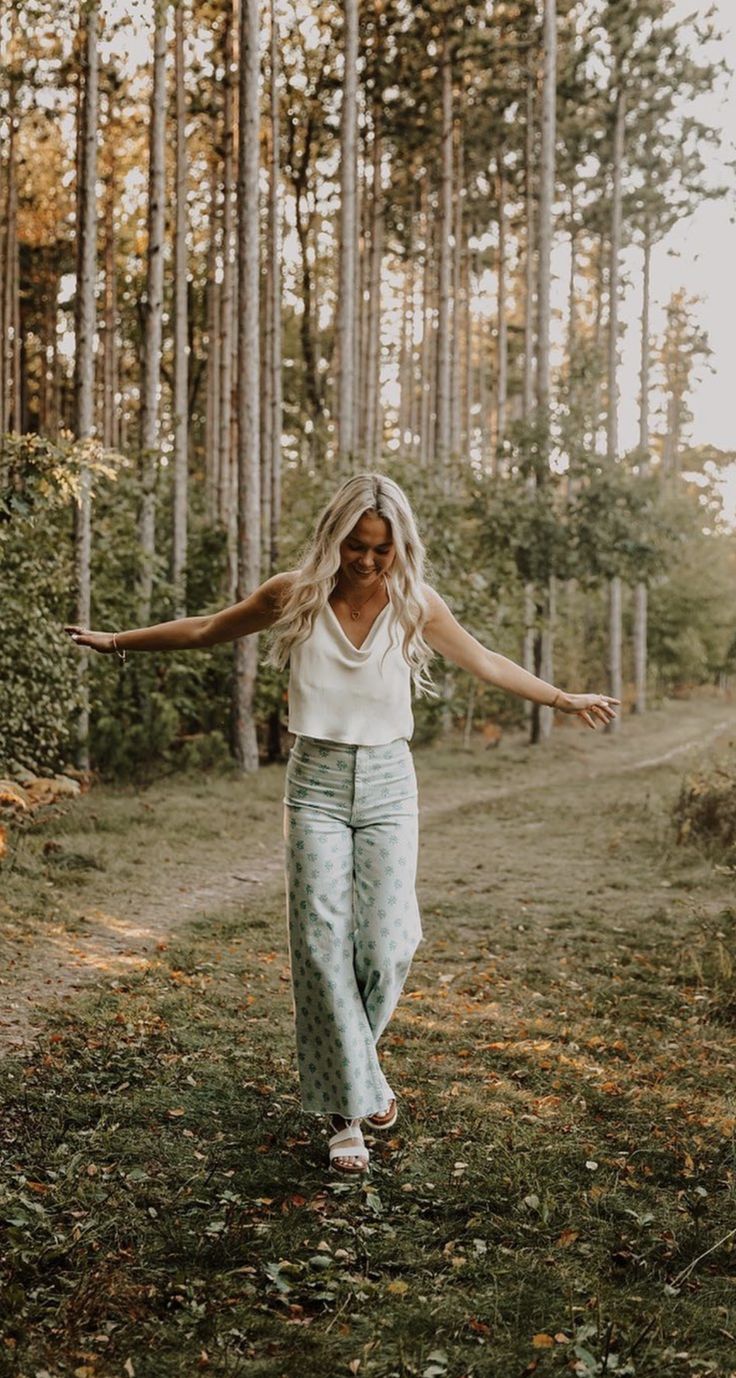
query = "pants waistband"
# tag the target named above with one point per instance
(398, 743)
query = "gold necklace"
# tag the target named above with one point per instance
(355, 612)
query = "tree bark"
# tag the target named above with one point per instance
(527, 392)
(615, 591)
(85, 353)
(406, 348)
(373, 428)
(641, 591)
(457, 274)
(212, 319)
(110, 379)
(348, 179)
(425, 380)
(227, 285)
(529, 304)
(542, 716)
(249, 431)
(181, 334)
(8, 399)
(153, 315)
(445, 265)
(275, 360)
(503, 338)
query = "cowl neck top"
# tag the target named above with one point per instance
(344, 693)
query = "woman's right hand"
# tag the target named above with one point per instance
(97, 641)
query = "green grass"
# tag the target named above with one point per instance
(563, 1166)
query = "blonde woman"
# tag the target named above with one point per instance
(357, 625)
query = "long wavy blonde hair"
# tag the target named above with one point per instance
(363, 493)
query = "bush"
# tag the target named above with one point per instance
(705, 812)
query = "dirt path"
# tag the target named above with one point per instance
(51, 961)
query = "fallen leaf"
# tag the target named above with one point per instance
(542, 1341)
(398, 1288)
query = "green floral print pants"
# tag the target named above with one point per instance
(350, 832)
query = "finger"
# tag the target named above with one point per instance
(585, 715)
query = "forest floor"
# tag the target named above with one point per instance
(558, 1193)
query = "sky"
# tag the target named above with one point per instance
(698, 255)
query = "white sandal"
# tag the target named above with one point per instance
(385, 1124)
(339, 1148)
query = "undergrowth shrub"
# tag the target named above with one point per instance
(705, 811)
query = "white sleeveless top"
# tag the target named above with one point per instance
(341, 693)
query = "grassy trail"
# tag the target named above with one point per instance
(558, 1194)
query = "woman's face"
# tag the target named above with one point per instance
(368, 552)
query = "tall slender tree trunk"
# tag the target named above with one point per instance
(433, 356)
(641, 591)
(85, 355)
(249, 429)
(8, 400)
(406, 346)
(212, 328)
(457, 275)
(275, 360)
(502, 325)
(348, 180)
(445, 266)
(482, 371)
(360, 331)
(529, 274)
(542, 716)
(373, 427)
(615, 584)
(415, 394)
(153, 314)
(527, 392)
(467, 422)
(181, 334)
(425, 380)
(596, 391)
(227, 294)
(110, 380)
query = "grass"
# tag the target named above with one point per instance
(558, 1194)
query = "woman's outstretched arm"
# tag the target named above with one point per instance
(252, 614)
(445, 634)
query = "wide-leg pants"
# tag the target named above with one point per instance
(350, 832)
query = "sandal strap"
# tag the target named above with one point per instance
(337, 1144)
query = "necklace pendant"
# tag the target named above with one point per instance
(355, 614)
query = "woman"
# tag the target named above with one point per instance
(357, 625)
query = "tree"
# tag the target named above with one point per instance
(153, 313)
(348, 232)
(85, 345)
(249, 430)
(181, 372)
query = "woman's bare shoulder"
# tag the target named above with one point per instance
(434, 602)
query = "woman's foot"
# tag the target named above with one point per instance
(386, 1117)
(345, 1161)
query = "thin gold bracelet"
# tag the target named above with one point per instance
(121, 654)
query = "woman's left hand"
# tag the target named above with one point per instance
(592, 708)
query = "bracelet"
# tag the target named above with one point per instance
(122, 654)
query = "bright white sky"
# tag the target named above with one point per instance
(699, 255)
